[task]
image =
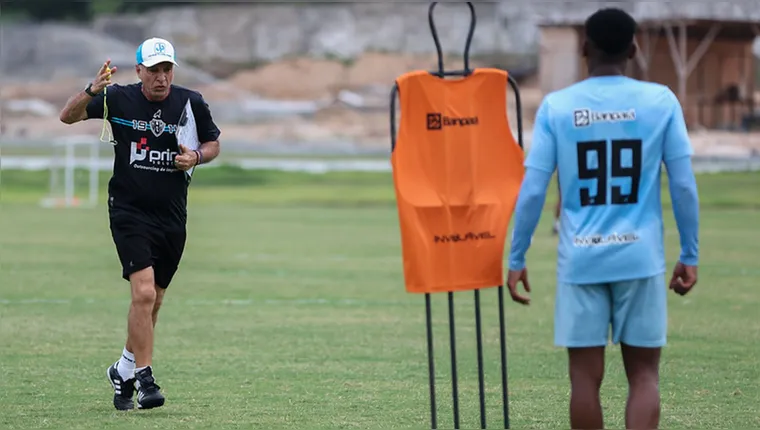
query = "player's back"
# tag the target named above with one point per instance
(610, 137)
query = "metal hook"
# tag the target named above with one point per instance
(473, 21)
(511, 81)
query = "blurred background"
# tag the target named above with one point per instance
(314, 77)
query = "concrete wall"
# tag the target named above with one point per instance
(261, 32)
(242, 35)
(558, 58)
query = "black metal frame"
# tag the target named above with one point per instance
(428, 318)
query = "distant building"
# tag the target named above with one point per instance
(702, 51)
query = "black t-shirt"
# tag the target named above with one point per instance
(145, 181)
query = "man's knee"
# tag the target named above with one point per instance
(143, 290)
(642, 365)
(586, 366)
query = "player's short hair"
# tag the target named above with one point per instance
(611, 31)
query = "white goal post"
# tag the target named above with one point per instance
(70, 154)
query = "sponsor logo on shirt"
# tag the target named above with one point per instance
(142, 157)
(588, 117)
(437, 121)
(604, 240)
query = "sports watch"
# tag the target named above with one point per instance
(88, 90)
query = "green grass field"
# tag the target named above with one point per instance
(289, 311)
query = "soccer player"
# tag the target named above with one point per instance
(147, 196)
(607, 137)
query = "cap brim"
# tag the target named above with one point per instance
(158, 59)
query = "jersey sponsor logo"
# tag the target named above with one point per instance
(142, 157)
(602, 240)
(436, 121)
(456, 237)
(588, 117)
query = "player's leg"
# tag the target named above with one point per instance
(156, 306)
(581, 324)
(140, 325)
(642, 367)
(640, 325)
(168, 256)
(586, 368)
(141, 336)
(133, 247)
(168, 249)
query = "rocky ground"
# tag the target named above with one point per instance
(332, 88)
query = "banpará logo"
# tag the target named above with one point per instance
(587, 117)
(436, 121)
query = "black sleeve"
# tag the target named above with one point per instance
(95, 108)
(207, 130)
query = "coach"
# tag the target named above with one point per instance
(147, 195)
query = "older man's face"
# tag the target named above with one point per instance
(156, 80)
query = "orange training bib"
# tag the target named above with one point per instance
(457, 171)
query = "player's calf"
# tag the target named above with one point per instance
(586, 375)
(642, 370)
(140, 324)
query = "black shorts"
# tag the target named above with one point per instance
(140, 245)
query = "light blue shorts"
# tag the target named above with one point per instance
(635, 310)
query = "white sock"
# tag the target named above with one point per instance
(126, 366)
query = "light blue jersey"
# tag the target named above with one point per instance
(607, 137)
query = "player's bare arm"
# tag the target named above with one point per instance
(208, 151)
(76, 107)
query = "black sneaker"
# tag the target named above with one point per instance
(148, 394)
(122, 390)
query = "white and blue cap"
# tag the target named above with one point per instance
(155, 50)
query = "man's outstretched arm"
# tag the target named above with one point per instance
(527, 214)
(81, 105)
(683, 186)
(677, 154)
(685, 200)
(541, 164)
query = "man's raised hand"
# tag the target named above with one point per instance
(103, 78)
